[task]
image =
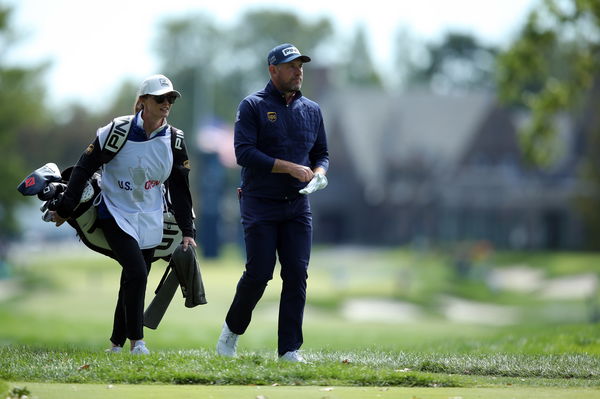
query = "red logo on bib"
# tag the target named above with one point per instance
(151, 183)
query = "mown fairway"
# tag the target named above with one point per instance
(91, 391)
(376, 319)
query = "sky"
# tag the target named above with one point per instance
(94, 45)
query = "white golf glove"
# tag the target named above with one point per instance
(318, 182)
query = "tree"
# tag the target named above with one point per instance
(458, 63)
(408, 52)
(552, 68)
(21, 109)
(360, 70)
(549, 69)
(216, 66)
(261, 29)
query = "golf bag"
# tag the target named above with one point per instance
(48, 182)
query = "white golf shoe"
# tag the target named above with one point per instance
(227, 344)
(140, 348)
(114, 349)
(293, 357)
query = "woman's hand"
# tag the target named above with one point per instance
(56, 218)
(187, 241)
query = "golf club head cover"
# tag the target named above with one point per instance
(37, 181)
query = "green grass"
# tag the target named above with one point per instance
(351, 368)
(555, 264)
(55, 331)
(202, 367)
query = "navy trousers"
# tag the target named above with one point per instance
(274, 228)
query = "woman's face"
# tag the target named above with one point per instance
(158, 106)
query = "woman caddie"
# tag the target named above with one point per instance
(130, 205)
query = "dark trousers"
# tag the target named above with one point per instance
(135, 263)
(274, 228)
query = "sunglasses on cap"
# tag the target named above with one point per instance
(161, 99)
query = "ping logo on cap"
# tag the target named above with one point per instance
(290, 50)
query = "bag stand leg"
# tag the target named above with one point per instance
(157, 308)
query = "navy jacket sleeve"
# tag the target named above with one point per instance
(246, 138)
(319, 154)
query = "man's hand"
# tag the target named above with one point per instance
(300, 172)
(318, 182)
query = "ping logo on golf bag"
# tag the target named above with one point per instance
(178, 139)
(118, 134)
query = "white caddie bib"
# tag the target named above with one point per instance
(132, 187)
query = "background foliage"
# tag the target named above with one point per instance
(551, 67)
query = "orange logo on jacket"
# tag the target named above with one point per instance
(272, 116)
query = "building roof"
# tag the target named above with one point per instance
(435, 127)
(379, 129)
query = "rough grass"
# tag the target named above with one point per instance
(366, 368)
(56, 329)
(203, 367)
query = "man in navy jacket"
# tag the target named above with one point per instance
(280, 143)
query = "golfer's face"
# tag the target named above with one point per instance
(288, 76)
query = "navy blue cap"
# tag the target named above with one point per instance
(285, 53)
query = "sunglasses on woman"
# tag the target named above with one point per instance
(161, 99)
